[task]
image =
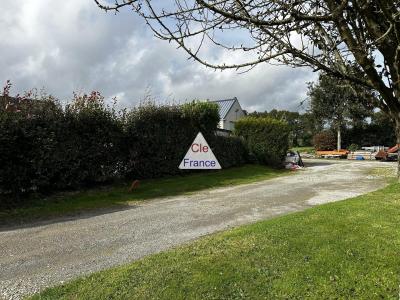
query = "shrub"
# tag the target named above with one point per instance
(266, 139)
(91, 142)
(353, 147)
(325, 140)
(203, 116)
(158, 137)
(29, 141)
(46, 148)
(229, 150)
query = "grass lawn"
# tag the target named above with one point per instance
(118, 195)
(309, 150)
(343, 250)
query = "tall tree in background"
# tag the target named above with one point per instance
(336, 104)
(327, 35)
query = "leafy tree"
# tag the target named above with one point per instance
(324, 140)
(328, 35)
(309, 127)
(335, 103)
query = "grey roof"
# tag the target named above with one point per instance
(224, 106)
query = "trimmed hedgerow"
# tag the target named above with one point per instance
(29, 151)
(91, 142)
(202, 116)
(266, 139)
(230, 150)
(46, 148)
(157, 137)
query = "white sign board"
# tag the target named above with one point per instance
(200, 156)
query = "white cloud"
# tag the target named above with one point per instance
(72, 45)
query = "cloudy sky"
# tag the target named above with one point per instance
(72, 45)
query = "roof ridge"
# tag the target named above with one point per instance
(225, 99)
(224, 106)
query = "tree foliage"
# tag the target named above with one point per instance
(356, 40)
(325, 140)
(333, 102)
(379, 132)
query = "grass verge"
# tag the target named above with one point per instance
(343, 250)
(308, 150)
(117, 195)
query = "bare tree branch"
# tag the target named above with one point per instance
(334, 36)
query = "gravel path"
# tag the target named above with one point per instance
(47, 254)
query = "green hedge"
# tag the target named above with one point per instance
(230, 151)
(46, 147)
(157, 137)
(30, 148)
(266, 139)
(91, 145)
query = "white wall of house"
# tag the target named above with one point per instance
(234, 114)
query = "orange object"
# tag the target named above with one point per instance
(342, 152)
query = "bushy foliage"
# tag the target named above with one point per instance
(325, 140)
(28, 144)
(230, 151)
(379, 132)
(157, 137)
(302, 126)
(45, 147)
(203, 116)
(353, 147)
(266, 139)
(92, 137)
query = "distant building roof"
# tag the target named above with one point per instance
(224, 106)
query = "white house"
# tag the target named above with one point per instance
(229, 112)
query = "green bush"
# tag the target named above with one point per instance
(45, 148)
(91, 142)
(29, 141)
(353, 147)
(266, 139)
(325, 140)
(203, 116)
(158, 137)
(229, 150)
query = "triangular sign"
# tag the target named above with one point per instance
(200, 156)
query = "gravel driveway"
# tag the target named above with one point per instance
(47, 254)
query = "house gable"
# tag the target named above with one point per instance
(229, 111)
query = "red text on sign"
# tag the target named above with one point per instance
(199, 148)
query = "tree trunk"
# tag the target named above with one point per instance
(339, 139)
(397, 122)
